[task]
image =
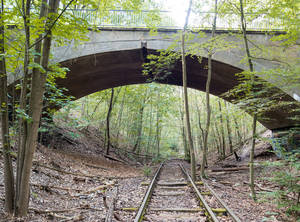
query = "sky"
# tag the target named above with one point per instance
(178, 9)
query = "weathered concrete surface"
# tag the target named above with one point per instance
(89, 74)
(113, 39)
(114, 57)
(117, 39)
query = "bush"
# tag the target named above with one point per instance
(147, 171)
(287, 179)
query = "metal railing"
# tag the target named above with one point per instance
(231, 21)
(165, 19)
(123, 18)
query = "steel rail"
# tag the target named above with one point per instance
(142, 208)
(231, 213)
(207, 208)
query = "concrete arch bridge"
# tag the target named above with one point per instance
(114, 57)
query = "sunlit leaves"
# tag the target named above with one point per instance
(160, 66)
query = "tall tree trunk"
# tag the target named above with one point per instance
(95, 108)
(140, 124)
(140, 127)
(8, 169)
(35, 108)
(218, 139)
(215, 141)
(108, 121)
(207, 91)
(187, 155)
(200, 127)
(23, 100)
(237, 130)
(150, 131)
(251, 168)
(158, 129)
(119, 119)
(229, 130)
(201, 134)
(186, 103)
(222, 130)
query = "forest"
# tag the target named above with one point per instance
(205, 92)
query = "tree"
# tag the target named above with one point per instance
(8, 169)
(222, 130)
(158, 126)
(251, 166)
(33, 57)
(186, 149)
(185, 95)
(108, 120)
(228, 125)
(208, 111)
(35, 107)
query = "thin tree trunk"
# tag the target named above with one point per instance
(219, 140)
(215, 142)
(186, 103)
(140, 127)
(35, 108)
(157, 127)
(140, 124)
(13, 116)
(200, 127)
(229, 130)
(187, 155)
(237, 129)
(207, 91)
(108, 120)
(216, 139)
(23, 101)
(251, 168)
(150, 131)
(222, 130)
(8, 169)
(95, 108)
(83, 107)
(119, 119)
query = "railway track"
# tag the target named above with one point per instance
(173, 196)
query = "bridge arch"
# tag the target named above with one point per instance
(96, 72)
(114, 57)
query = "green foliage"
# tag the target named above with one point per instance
(156, 99)
(160, 66)
(20, 113)
(287, 179)
(147, 171)
(156, 160)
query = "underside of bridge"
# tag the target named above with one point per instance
(89, 74)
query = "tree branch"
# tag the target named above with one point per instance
(52, 25)
(271, 60)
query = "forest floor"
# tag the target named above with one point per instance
(72, 181)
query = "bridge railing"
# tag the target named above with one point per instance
(165, 19)
(229, 21)
(124, 18)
